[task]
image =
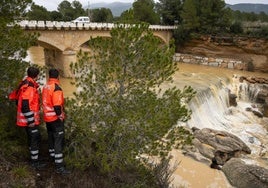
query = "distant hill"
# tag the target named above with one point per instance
(116, 7)
(248, 7)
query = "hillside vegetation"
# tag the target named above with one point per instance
(249, 7)
(118, 8)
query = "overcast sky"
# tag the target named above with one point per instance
(53, 4)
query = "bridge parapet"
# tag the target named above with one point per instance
(60, 25)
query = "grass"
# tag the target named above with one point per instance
(21, 172)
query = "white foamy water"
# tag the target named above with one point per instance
(211, 109)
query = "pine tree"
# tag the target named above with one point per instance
(211, 14)
(189, 16)
(13, 50)
(143, 11)
(120, 110)
(170, 11)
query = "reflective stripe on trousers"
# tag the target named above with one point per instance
(34, 139)
(51, 152)
(59, 158)
(55, 130)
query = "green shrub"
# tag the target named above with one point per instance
(181, 35)
(236, 28)
(262, 32)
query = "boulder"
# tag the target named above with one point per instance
(219, 146)
(232, 99)
(265, 108)
(257, 113)
(243, 175)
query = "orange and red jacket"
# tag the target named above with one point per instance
(28, 103)
(53, 101)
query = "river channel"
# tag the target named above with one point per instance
(189, 173)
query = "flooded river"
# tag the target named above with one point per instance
(189, 173)
(36, 56)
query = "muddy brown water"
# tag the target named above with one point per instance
(189, 173)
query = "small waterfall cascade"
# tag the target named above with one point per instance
(208, 108)
(245, 91)
(211, 109)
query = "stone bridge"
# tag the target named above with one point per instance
(62, 40)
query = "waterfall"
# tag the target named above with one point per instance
(245, 91)
(210, 109)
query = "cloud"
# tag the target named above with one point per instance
(232, 2)
(49, 5)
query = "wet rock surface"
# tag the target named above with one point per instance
(243, 175)
(261, 97)
(219, 146)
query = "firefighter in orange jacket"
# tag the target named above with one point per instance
(53, 103)
(28, 113)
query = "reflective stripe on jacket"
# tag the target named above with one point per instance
(28, 103)
(52, 97)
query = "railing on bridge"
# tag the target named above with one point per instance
(55, 25)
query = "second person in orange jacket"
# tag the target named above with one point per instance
(53, 108)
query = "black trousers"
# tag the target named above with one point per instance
(55, 131)
(34, 139)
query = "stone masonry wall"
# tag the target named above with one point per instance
(211, 61)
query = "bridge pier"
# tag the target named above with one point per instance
(67, 57)
(60, 60)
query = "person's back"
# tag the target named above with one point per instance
(53, 101)
(28, 113)
(28, 103)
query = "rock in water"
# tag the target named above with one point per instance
(243, 175)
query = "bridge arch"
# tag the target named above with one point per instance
(48, 43)
(166, 41)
